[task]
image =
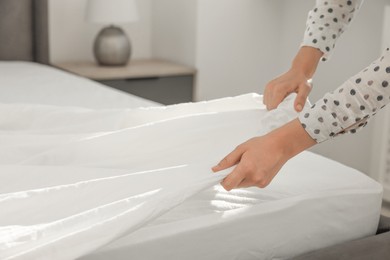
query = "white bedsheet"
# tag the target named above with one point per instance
(76, 178)
(32, 83)
(314, 202)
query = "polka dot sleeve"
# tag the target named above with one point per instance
(348, 108)
(327, 21)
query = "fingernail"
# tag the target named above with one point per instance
(299, 107)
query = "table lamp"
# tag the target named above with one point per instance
(112, 46)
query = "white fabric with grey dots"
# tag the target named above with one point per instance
(327, 21)
(349, 107)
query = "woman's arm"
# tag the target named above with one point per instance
(325, 24)
(348, 108)
(327, 21)
(344, 110)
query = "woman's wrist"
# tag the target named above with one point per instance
(292, 139)
(306, 61)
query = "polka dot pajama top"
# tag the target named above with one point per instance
(346, 109)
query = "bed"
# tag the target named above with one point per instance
(76, 157)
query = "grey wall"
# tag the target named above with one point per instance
(174, 25)
(237, 46)
(356, 49)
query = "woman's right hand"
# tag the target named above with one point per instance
(297, 79)
(279, 88)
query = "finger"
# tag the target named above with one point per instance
(269, 98)
(233, 179)
(267, 105)
(277, 98)
(265, 95)
(230, 160)
(253, 180)
(245, 183)
(300, 100)
(269, 91)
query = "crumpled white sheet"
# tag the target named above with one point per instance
(75, 179)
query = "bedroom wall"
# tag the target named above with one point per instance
(71, 37)
(174, 25)
(223, 39)
(237, 48)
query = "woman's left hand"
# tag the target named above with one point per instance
(260, 159)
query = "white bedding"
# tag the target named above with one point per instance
(76, 176)
(313, 203)
(32, 83)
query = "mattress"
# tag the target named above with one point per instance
(92, 181)
(313, 203)
(33, 83)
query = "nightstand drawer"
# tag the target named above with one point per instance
(165, 90)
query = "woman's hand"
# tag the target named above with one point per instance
(291, 81)
(260, 158)
(297, 79)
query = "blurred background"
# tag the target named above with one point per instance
(237, 47)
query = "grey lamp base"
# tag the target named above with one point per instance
(112, 47)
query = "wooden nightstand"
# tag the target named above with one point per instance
(158, 80)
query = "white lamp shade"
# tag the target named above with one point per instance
(111, 11)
